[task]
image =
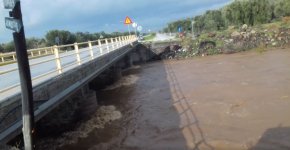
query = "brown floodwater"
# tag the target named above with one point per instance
(238, 101)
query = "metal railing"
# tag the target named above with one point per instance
(66, 57)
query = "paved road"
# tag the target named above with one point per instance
(12, 78)
(162, 37)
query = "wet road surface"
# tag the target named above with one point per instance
(237, 101)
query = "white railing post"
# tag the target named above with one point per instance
(2, 58)
(46, 52)
(57, 60)
(123, 40)
(31, 54)
(39, 53)
(13, 57)
(120, 41)
(107, 45)
(112, 42)
(91, 50)
(117, 42)
(100, 46)
(77, 53)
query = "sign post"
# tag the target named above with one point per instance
(134, 25)
(127, 22)
(15, 23)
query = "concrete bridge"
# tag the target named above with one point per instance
(62, 73)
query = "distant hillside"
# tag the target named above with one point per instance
(239, 12)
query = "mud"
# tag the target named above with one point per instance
(225, 102)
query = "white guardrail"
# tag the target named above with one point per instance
(80, 52)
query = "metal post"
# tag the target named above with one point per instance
(57, 60)
(91, 50)
(112, 42)
(100, 46)
(25, 80)
(77, 53)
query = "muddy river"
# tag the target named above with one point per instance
(237, 101)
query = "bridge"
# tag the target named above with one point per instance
(60, 71)
(57, 72)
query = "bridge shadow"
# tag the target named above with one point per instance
(274, 138)
(189, 123)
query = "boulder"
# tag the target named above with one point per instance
(253, 32)
(235, 34)
(245, 27)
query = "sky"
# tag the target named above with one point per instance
(40, 16)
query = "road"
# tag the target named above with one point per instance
(162, 37)
(12, 78)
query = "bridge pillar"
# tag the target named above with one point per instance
(128, 61)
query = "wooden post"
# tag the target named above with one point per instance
(57, 60)
(91, 50)
(77, 53)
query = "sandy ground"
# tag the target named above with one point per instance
(225, 102)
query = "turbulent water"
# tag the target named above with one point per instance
(238, 101)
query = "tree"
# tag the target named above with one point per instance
(65, 37)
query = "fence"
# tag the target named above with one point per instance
(63, 57)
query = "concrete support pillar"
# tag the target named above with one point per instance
(128, 60)
(116, 72)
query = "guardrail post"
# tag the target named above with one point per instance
(91, 50)
(77, 53)
(46, 52)
(113, 44)
(123, 40)
(39, 52)
(120, 41)
(2, 58)
(117, 42)
(31, 54)
(14, 57)
(57, 59)
(107, 45)
(100, 46)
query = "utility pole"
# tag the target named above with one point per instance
(192, 22)
(14, 22)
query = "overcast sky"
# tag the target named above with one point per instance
(41, 16)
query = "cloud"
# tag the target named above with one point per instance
(40, 16)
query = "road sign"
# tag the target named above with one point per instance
(134, 25)
(139, 28)
(128, 21)
(13, 24)
(10, 4)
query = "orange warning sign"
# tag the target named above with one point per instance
(128, 21)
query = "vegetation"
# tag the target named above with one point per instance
(251, 12)
(65, 37)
